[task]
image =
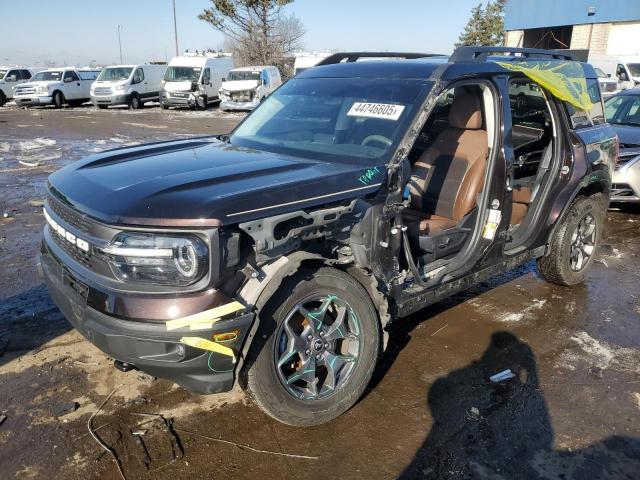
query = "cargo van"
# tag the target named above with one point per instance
(131, 85)
(245, 87)
(194, 80)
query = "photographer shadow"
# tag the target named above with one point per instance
(503, 430)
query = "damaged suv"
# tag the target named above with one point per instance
(357, 193)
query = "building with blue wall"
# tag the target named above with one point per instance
(594, 26)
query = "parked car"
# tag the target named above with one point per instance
(354, 195)
(608, 85)
(131, 85)
(623, 113)
(57, 87)
(245, 87)
(194, 81)
(11, 77)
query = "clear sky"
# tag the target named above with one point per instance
(80, 31)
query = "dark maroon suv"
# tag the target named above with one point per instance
(357, 193)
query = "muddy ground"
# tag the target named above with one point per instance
(572, 411)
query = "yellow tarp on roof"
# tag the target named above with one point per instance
(565, 80)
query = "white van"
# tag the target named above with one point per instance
(131, 85)
(245, 87)
(11, 77)
(626, 69)
(304, 60)
(194, 80)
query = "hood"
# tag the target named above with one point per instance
(629, 136)
(40, 83)
(239, 85)
(177, 86)
(204, 179)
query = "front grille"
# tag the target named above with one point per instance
(74, 252)
(25, 90)
(179, 95)
(102, 91)
(69, 216)
(621, 190)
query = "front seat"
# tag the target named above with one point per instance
(446, 179)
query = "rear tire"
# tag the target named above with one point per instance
(58, 100)
(308, 368)
(576, 242)
(103, 107)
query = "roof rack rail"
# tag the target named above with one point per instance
(471, 54)
(355, 56)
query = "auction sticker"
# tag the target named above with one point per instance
(386, 111)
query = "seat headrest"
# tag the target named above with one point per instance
(466, 109)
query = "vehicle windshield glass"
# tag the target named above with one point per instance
(114, 74)
(634, 68)
(2, 74)
(623, 110)
(351, 120)
(243, 76)
(182, 74)
(47, 77)
(600, 73)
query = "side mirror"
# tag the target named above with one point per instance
(608, 75)
(12, 78)
(224, 79)
(68, 80)
(623, 77)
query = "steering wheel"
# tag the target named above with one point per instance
(376, 138)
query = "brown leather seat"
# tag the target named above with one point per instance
(448, 176)
(520, 206)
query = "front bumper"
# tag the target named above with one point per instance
(231, 105)
(33, 100)
(148, 346)
(122, 99)
(179, 99)
(626, 182)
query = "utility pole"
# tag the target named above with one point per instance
(175, 27)
(119, 27)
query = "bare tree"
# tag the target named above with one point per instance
(257, 31)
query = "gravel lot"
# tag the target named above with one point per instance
(572, 411)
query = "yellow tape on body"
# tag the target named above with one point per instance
(202, 320)
(208, 345)
(565, 80)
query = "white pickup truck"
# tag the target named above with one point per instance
(10, 78)
(57, 87)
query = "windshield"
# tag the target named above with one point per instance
(182, 74)
(634, 68)
(600, 73)
(113, 74)
(243, 76)
(623, 110)
(47, 77)
(2, 73)
(342, 119)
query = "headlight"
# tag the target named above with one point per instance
(157, 259)
(120, 88)
(43, 89)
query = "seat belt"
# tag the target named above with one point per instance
(542, 170)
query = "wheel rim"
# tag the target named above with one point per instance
(317, 347)
(135, 103)
(583, 243)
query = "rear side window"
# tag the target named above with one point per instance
(138, 76)
(595, 116)
(26, 74)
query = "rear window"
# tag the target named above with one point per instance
(595, 116)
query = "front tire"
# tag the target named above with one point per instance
(575, 243)
(134, 102)
(3, 98)
(58, 100)
(315, 350)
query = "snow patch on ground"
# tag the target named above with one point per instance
(4, 147)
(144, 125)
(602, 354)
(513, 317)
(36, 144)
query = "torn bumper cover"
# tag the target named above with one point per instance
(181, 354)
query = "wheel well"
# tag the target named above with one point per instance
(592, 189)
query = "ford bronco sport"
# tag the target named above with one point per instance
(357, 193)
